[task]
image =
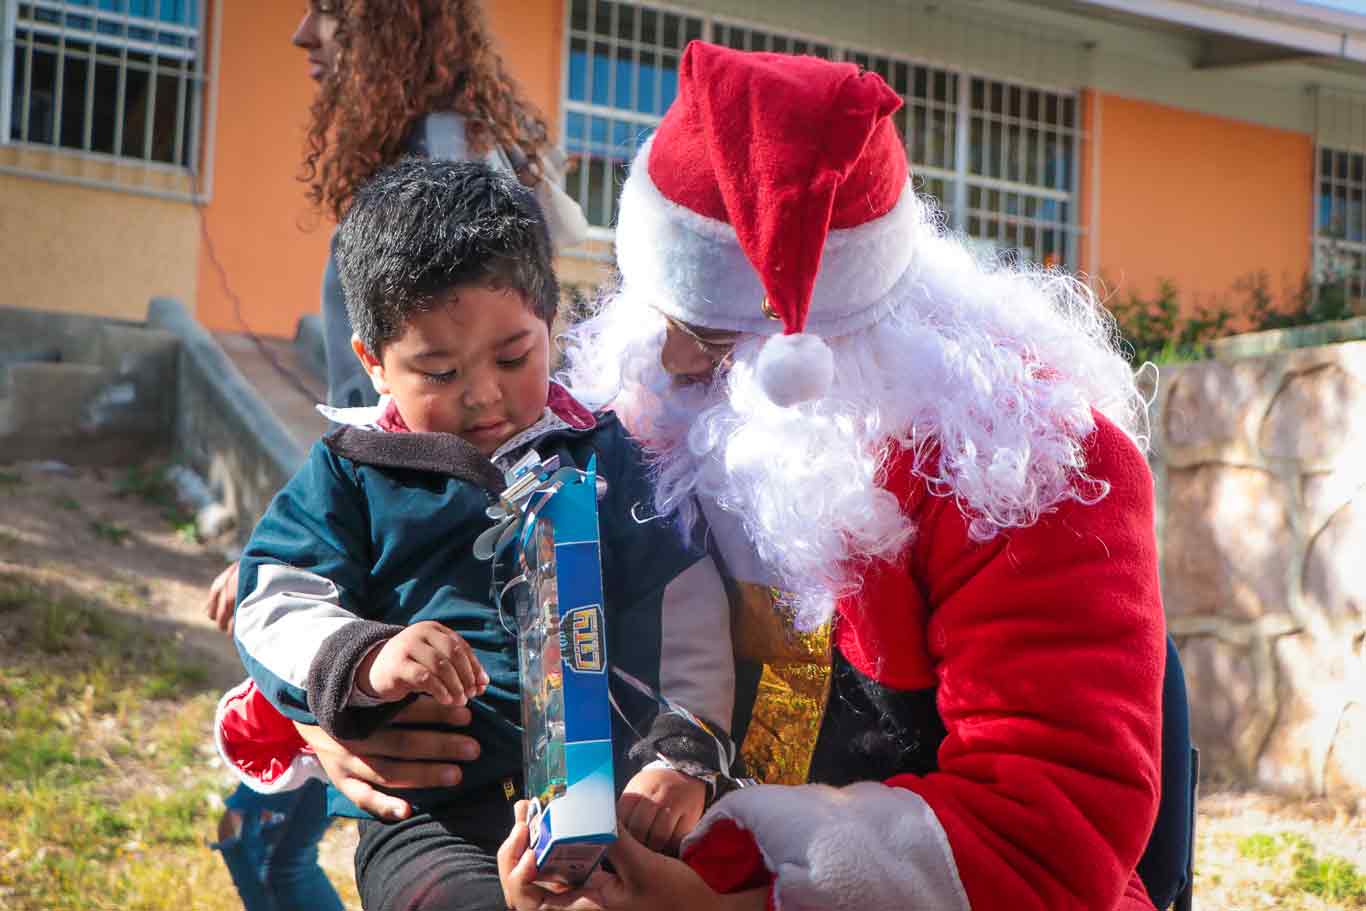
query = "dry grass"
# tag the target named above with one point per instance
(110, 791)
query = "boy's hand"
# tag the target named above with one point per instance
(426, 657)
(661, 806)
(223, 598)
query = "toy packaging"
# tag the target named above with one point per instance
(548, 577)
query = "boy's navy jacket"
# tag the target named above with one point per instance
(375, 533)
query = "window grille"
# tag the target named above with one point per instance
(1000, 158)
(1340, 196)
(1340, 228)
(122, 79)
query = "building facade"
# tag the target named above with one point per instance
(151, 147)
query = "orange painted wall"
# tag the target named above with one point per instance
(271, 246)
(1197, 199)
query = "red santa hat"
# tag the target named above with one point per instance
(774, 198)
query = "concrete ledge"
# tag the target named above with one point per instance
(222, 427)
(74, 335)
(1255, 344)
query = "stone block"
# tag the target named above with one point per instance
(1226, 542)
(1313, 415)
(1323, 493)
(1213, 403)
(1222, 688)
(1334, 586)
(1313, 695)
(1345, 768)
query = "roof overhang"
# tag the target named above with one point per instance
(1251, 32)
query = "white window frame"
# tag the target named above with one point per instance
(192, 96)
(958, 179)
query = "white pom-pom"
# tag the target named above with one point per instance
(795, 368)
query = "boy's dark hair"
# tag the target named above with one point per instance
(423, 227)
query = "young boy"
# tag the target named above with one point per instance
(359, 587)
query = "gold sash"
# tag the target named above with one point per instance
(793, 690)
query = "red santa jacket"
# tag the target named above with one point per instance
(1000, 704)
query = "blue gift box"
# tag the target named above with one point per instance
(566, 712)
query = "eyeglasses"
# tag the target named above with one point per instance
(716, 344)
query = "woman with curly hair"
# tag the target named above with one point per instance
(395, 78)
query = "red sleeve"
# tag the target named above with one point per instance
(1048, 649)
(260, 744)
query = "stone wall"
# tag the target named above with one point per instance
(1261, 471)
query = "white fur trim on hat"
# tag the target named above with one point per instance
(795, 368)
(707, 280)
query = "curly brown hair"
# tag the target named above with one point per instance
(397, 61)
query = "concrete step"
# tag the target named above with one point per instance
(276, 371)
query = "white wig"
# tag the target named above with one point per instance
(987, 372)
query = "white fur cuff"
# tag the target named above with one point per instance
(866, 847)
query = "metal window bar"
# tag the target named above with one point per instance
(121, 95)
(88, 111)
(9, 11)
(59, 65)
(27, 104)
(606, 165)
(149, 117)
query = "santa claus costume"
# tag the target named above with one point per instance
(939, 455)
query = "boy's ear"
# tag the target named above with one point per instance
(374, 368)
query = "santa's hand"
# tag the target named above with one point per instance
(429, 758)
(647, 881)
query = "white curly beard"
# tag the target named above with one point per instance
(988, 373)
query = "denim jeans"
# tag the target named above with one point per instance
(273, 856)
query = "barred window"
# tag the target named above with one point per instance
(1022, 147)
(1340, 232)
(1000, 158)
(623, 75)
(742, 38)
(121, 78)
